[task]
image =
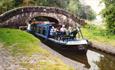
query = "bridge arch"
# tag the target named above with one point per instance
(20, 16)
(45, 18)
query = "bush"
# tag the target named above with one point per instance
(96, 30)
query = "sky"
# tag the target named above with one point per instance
(95, 4)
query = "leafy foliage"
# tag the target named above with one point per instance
(73, 6)
(109, 15)
(6, 5)
(82, 11)
(86, 12)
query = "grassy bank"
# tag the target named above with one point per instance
(25, 47)
(97, 34)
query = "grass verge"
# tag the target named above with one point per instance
(97, 34)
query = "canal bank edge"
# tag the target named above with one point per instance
(103, 47)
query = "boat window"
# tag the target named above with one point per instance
(44, 31)
(41, 30)
(37, 30)
(33, 27)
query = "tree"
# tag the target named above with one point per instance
(87, 13)
(6, 5)
(109, 15)
(73, 6)
(82, 11)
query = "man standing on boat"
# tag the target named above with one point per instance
(28, 26)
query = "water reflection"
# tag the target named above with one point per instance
(100, 61)
(107, 62)
(93, 57)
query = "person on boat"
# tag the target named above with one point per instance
(53, 31)
(69, 30)
(73, 33)
(63, 31)
(68, 33)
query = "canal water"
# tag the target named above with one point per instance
(100, 61)
(91, 60)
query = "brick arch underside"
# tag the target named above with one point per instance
(20, 16)
(45, 18)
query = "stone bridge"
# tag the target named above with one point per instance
(20, 16)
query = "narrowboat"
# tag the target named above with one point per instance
(71, 40)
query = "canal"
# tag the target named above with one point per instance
(91, 60)
(99, 60)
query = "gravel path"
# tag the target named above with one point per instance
(7, 62)
(103, 47)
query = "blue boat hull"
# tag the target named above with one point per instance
(49, 42)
